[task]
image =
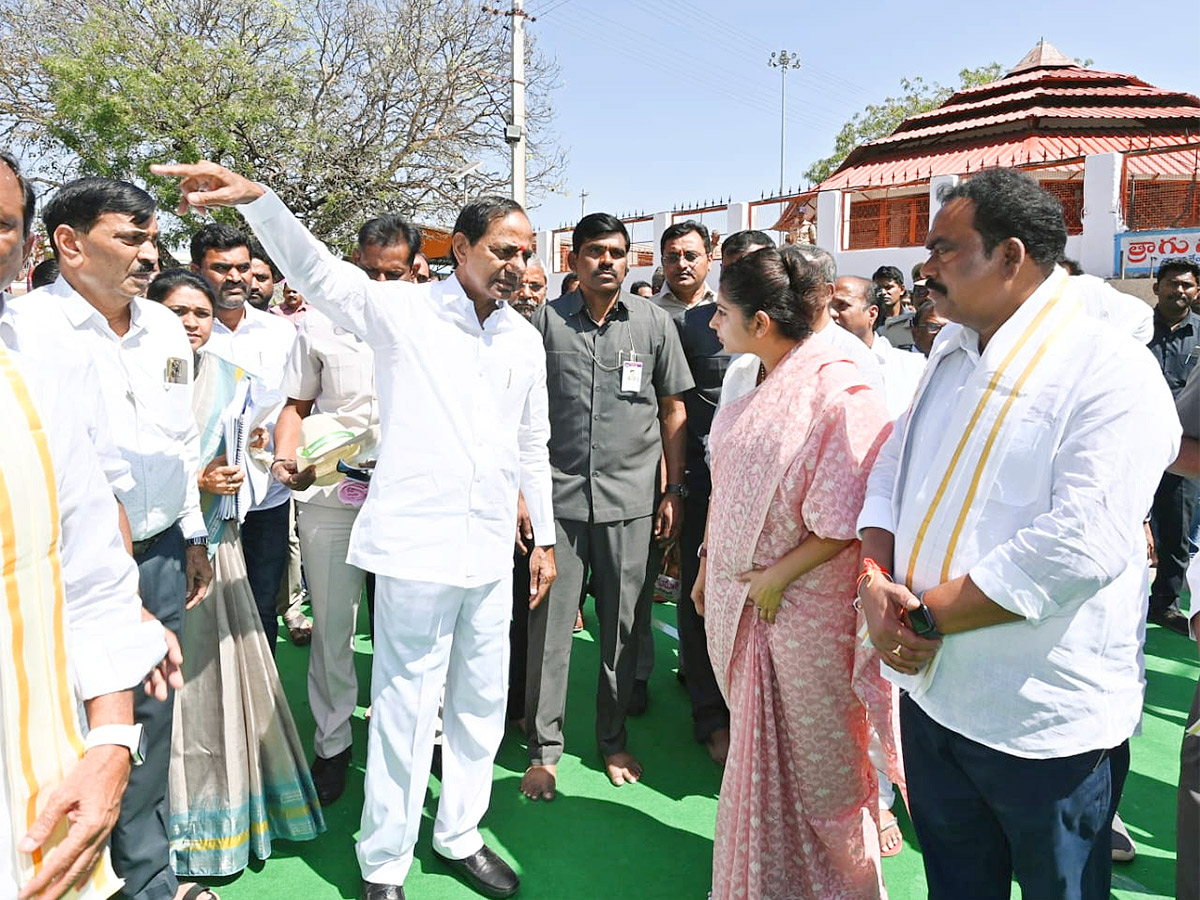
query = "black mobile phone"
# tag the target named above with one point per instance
(354, 473)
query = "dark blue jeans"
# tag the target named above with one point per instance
(984, 817)
(265, 546)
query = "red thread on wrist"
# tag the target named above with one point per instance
(870, 569)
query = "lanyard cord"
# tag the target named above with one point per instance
(588, 350)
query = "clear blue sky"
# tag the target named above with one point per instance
(668, 102)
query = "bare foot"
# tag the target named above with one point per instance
(890, 839)
(623, 768)
(538, 783)
(718, 745)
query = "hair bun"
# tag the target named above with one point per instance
(799, 270)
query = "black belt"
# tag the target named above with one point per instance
(140, 547)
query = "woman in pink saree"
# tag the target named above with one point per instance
(798, 809)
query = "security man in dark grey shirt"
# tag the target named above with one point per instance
(615, 373)
(1176, 346)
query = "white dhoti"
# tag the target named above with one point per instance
(428, 636)
(335, 588)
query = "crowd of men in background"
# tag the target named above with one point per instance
(631, 483)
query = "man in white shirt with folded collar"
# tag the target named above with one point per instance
(462, 394)
(258, 342)
(104, 233)
(1008, 505)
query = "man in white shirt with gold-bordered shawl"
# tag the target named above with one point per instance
(1008, 508)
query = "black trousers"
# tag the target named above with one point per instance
(265, 547)
(1170, 519)
(709, 712)
(518, 637)
(140, 852)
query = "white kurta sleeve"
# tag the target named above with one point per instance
(335, 287)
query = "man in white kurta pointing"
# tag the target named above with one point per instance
(462, 392)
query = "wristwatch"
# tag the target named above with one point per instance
(132, 737)
(201, 541)
(680, 489)
(920, 620)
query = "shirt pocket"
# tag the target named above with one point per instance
(349, 378)
(168, 408)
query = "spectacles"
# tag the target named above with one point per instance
(929, 327)
(673, 258)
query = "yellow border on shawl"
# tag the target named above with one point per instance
(66, 705)
(8, 529)
(991, 441)
(975, 416)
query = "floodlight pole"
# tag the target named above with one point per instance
(783, 60)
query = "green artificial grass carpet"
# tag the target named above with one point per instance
(654, 839)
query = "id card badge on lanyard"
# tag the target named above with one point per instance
(631, 372)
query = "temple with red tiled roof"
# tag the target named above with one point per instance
(1121, 155)
(1047, 115)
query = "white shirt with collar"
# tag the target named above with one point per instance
(901, 374)
(856, 351)
(43, 338)
(1059, 540)
(145, 379)
(260, 344)
(463, 409)
(1124, 312)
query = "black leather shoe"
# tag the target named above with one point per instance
(329, 776)
(1170, 618)
(639, 698)
(486, 872)
(373, 891)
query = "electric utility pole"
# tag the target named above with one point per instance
(514, 132)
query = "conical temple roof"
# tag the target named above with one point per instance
(1044, 55)
(1047, 108)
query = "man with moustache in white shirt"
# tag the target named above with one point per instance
(104, 234)
(1007, 506)
(461, 380)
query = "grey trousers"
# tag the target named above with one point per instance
(1187, 819)
(290, 597)
(140, 852)
(616, 554)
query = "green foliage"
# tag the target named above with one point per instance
(346, 107)
(880, 119)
